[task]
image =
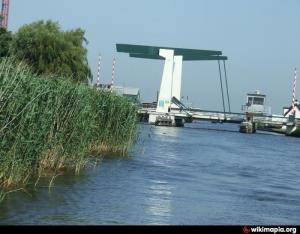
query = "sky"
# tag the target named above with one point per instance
(260, 37)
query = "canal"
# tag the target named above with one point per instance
(202, 174)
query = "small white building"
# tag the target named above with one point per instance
(256, 104)
(133, 94)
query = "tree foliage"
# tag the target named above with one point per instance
(5, 40)
(49, 50)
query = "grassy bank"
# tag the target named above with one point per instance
(48, 125)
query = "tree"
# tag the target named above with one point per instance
(5, 40)
(49, 50)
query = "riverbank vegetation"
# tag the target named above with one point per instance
(50, 124)
(51, 121)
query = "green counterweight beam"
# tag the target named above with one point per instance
(152, 52)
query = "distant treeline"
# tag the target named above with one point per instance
(47, 49)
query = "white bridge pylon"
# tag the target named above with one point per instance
(171, 80)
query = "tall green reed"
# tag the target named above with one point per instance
(50, 124)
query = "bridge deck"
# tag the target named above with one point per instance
(218, 116)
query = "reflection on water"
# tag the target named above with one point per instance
(192, 175)
(159, 201)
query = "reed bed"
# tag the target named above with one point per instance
(49, 125)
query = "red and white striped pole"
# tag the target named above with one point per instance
(99, 69)
(4, 14)
(113, 74)
(294, 92)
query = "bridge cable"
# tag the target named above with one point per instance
(227, 86)
(222, 89)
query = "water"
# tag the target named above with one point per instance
(191, 175)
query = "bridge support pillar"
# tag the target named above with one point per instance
(171, 80)
(177, 77)
(165, 92)
(170, 87)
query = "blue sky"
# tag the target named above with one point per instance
(260, 37)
